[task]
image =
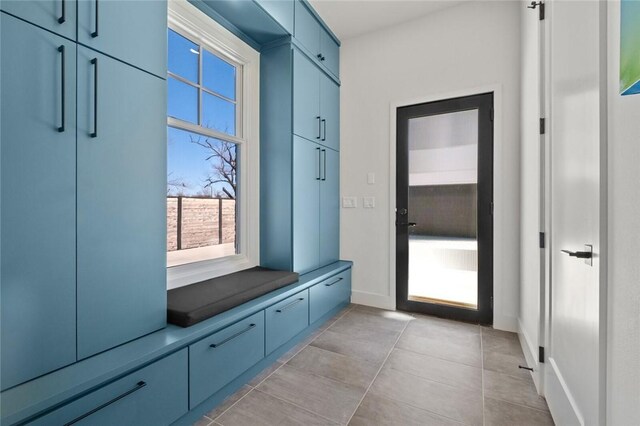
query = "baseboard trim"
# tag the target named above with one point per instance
(531, 355)
(505, 323)
(373, 299)
(561, 402)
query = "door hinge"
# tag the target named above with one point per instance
(543, 126)
(535, 4)
(542, 240)
(541, 354)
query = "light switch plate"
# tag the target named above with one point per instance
(369, 202)
(349, 202)
(371, 178)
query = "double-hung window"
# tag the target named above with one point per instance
(212, 155)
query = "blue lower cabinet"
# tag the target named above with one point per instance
(286, 319)
(218, 359)
(154, 395)
(329, 294)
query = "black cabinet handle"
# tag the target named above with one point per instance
(228, 339)
(295, 302)
(94, 62)
(62, 87)
(62, 17)
(319, 127)
(319, 176)
(322, 58)
(335, 282)
(324, 164)
(324, 127)
(95, 33)
(138, 386)
(319, 56)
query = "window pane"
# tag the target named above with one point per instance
(201, 198)
(183, 101)
(218, 76)
(183, 57)
(218, 114)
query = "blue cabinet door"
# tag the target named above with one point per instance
(330, 112)
(286, 319)
(330, 53)
(121, 203)
(38, 187)
(306, 205)
(307, 29)
(281, 11)
(328, 295)
(306, 98)
(330, 207)
(58, 16)
(134, 31)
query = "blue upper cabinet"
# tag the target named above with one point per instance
(58, 16)
(307, 121)
(312, 37)
(38, 190)
(281, 11)
(121, 202)
(330, 112)
(129, 30)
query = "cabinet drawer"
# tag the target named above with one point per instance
(218, 359)
(286, 319)
(154, 395)
(329, 294)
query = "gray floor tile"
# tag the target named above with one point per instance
(264, 374)
(384, 313)
(325, 397)
(462, 405)
(501, 413)
(377, 321)
(500, 341)
(367, 350)
(467, 352)
(259, 408)
(335, 366)
(228, 402)
(512, 389)
(443, 330)
(376, 410)
(204, 421)
(297, 348)
(436, 369)
(505, 363)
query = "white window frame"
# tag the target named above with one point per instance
(195, 25)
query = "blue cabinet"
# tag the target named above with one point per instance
(58, 16)
(129, 30)
(281, 11)
(330, 53)
(218, 359)
(330, 207)
(329, 294)
(286, 319)
(316, 103)
(307, 29)
(306, 205)
(154, 395)
(121, 206)
(38, 190)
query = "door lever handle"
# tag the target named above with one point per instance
(579, 254)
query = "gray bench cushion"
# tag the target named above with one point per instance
(191, 304)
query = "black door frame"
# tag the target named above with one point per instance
(484, 104)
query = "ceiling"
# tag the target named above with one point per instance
(351, 18)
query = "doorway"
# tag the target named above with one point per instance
(444, 208)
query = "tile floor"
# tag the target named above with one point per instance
(373, 367)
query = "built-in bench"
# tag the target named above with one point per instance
(176, 375)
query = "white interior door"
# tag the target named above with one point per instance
(574, 382)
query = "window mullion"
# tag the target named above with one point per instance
(200, 85)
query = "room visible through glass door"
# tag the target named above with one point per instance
(444, 224)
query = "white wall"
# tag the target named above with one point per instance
(468, 48)
(623, 357)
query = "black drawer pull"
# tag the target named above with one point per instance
(295, 302)
(138, 386)
(94, 62)
(335, 282)
(62, 89)
(95, 33)
(62, 17)
(217, 345)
